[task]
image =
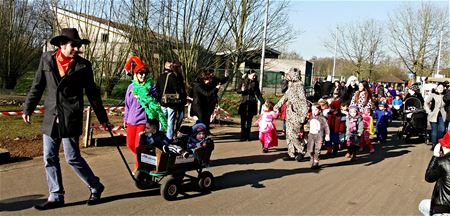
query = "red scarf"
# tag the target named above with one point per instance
(63, 62)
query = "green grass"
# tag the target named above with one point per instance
(231, 100)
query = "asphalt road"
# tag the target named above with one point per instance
(247, 182)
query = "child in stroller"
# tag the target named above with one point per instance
(397, 106)
(414, 123)
(200, 145)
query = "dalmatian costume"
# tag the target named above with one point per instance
(296, 113)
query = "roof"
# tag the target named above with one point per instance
(268, 49)
(390, 79)
(283, 64)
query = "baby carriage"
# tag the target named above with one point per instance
(397, 111)
(414, 121)
(167, 171)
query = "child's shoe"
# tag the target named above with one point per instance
(353, 157)
(372, 151)
(185, 154)
(347, 155)
(265, 150)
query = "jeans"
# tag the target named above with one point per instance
(437, 130)
(170, 114)
(73, 158)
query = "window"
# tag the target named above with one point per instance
(105, 37)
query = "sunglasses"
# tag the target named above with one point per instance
(142, 73)
(75, 44)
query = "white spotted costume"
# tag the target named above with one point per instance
(296, 111)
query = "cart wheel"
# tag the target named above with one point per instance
(170, 188)
(205, 181)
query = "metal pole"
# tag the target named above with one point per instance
(334, 57)
(263, 51)
(439, 55)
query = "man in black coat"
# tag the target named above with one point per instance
(65, 75)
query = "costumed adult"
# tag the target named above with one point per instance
(249, 90)
(172, 96)
(438, 171)
(363, 97)
(296, 113)
(204, 97)
(434, 106)
(66, 76)
(350, 88)
(140, 104)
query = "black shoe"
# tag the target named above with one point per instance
(49, 205)
(315, 166)
(288, 158)
(265, 150)
(299, 157)
(95, 197)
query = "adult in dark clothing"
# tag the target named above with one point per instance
(438, 171)
(317, 90)
(413, 92)
(204, 96)
(249, 91)
(65, 75)
(327, 88)
(172, 82)
(447, 107)
(350, 88)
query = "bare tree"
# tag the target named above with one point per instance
(20, 39)
(359, 43)
(415, 35)
(109, 47)
(177, 30)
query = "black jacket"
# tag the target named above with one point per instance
(439, 171)
(204, 100)
(251, 91)
(447, 104)
(64, 96)
(175, 84)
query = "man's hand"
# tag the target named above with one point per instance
(437, 150)
(26, 118)
(107, 125)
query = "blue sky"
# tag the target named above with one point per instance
(315, 20)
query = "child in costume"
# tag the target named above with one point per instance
(318, 128)
(365, 139)
(355, 129)
(337, 126)
(382, 117)
(267, 130)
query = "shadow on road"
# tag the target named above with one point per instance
(254, 177)
(21, 203)
(261, 158)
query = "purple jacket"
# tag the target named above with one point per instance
(134, 113)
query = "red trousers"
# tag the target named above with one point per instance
(365, 140)
(133, 132)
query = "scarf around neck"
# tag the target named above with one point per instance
(63, 62)
(152, 108)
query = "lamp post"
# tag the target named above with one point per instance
(263, 52)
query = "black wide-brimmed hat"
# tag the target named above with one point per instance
(68, 34)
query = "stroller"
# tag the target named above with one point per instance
(414, 120)
(167, 171)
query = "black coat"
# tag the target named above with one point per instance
(64, 96)
(439, 171)
(175, 84)
(446, 99)
(204, 100)
(249, 105)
